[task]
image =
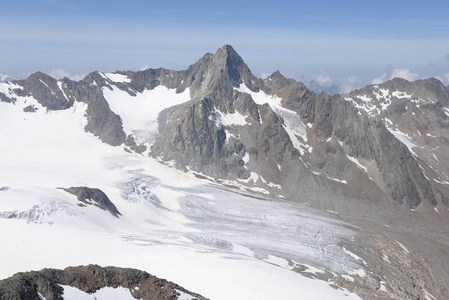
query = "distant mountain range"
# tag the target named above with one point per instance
(378, 157)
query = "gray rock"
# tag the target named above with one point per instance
(416, 110)
(88, 195)
(91, 278)
(45, 90)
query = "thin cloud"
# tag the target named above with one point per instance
(443, 78)
(349, 84)
(146, 67)
(60, 73)
(400, 73)
(322, 80)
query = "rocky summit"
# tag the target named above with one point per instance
(376, 158)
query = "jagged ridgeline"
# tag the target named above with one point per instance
(364, 152)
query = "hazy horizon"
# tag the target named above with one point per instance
(337, 45)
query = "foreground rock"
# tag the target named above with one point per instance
(47, 283)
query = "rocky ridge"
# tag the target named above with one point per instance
(47, 283)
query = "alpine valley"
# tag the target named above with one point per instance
(228, 185)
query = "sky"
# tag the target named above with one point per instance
(337, 45)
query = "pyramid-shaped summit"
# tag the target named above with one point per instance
(228, 67)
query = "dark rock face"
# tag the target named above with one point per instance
(45, 89)
(87, 195)
(101, 120)
(30, 109)
(62, 94)
(418, 112)
(91, 278)
(193, 138)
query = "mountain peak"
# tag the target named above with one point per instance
(227, 56)
(230, 64)
(227, 50)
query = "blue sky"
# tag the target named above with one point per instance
(343, 43)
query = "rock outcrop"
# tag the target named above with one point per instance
(93, 196)
(47, 283)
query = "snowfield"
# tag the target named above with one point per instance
(220, 242)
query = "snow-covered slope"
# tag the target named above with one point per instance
(219, 242)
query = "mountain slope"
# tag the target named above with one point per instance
(416, 113)
(251, 151)
(343, 153)
(319, 137)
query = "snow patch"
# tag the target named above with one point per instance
(62, 90)
(116, 77)
(401, 95)
(245, 159)
(312, 269)
(235, 118)
(106, 293)
(403, 247)
(384, 98)
(293, 124)
(441, 182)
(353, 255)
(335, 179)
(253, 176)
(428, 295)
(47, 86)
(184, 296)
(446, 111)
(259, 190)
(405, 139)
(140, 113)
(229, 136)
(274, 185)
(278, 261)
(357, 163)
(364, 98)
(358, 272)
